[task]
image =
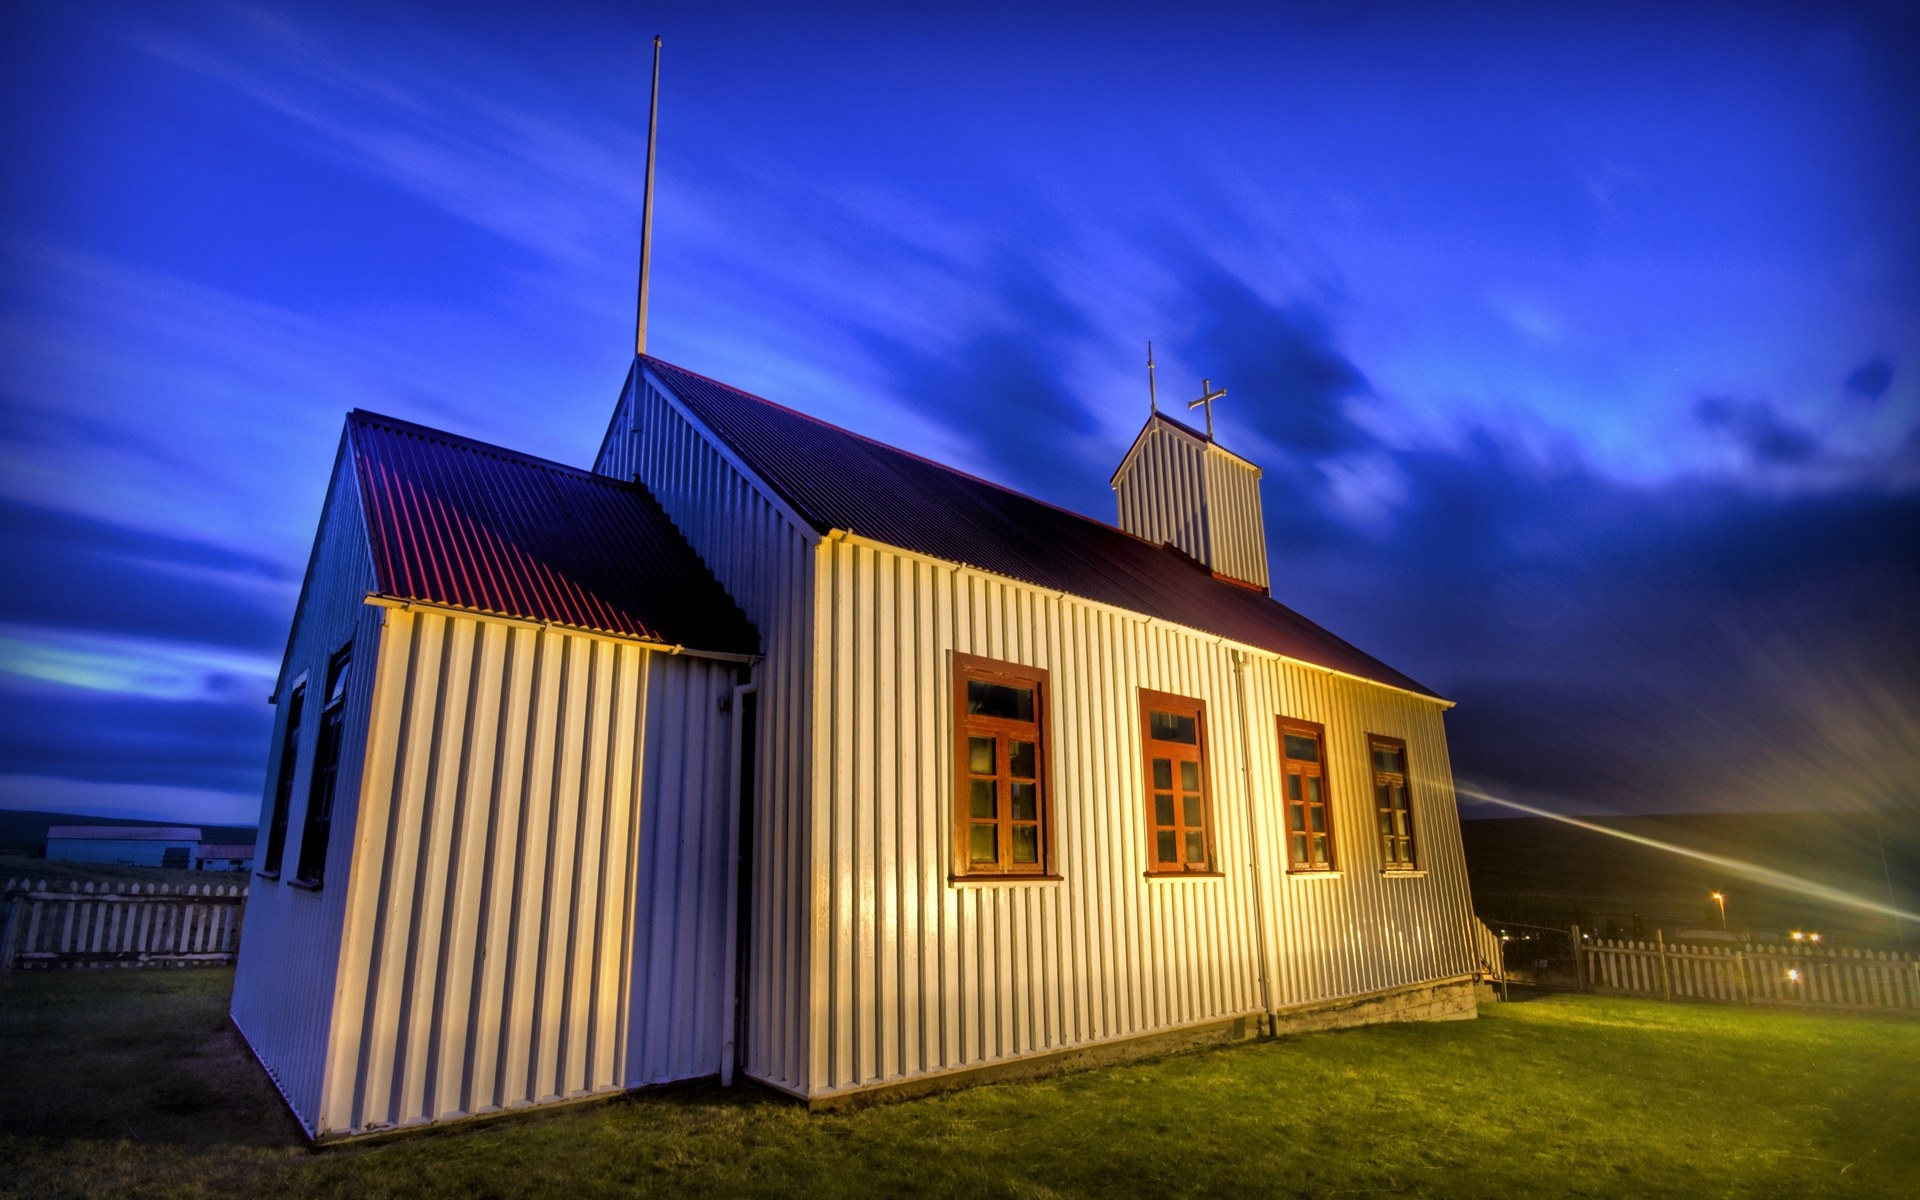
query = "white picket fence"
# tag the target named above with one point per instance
(1754, 974)
(119, 925)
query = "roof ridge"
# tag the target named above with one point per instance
(893, 449)
(456, 441)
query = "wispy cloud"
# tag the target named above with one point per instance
(31, 659)
(554, 182)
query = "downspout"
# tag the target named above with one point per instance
(730, 989)
(1253, 838)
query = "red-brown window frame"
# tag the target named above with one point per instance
(1318, 732)
(965, 724)
(1150, 702)
(1375, 776)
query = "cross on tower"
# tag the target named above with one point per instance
(1207, 397)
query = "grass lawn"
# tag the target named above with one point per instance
(131, 1083)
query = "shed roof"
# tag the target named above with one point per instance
(123, 833)
(462, 523)
(836, 479)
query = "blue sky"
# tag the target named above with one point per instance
(1578, 342)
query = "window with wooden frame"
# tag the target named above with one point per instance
(1392, 801)
(1304, 790)
(283, 785)
(1002, 812)
(318, 829)
(1173, 734)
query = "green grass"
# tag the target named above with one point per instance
(129, 1083)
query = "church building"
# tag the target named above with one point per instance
(765, 748)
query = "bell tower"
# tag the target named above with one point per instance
(1178, 486)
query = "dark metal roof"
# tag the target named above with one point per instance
(835, 479)
(458, 522)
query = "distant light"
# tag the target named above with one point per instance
(1798, 936)
(1814, 936)
(1718, 896)
(1793, 973)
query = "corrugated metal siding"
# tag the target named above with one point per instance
(283, 988)
(479, 527)
(765, 560)
(1162, 492)
(915, 976)
(679, 1016)
(1180, 489)
(1365, 930)
(489, 959)
(1235, 524)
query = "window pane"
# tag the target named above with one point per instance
(1025, 802)
(1293, 788)
(1169, 848)
(986, 848)
(1163, 808)
(1196, 849)
(1306, 749)
(1020, 760)
(1299, 847)
(1026, 843)
(1163, 773)
(1386, 821)
(1296, 817)
(1319, 820)
(1173, 727)
(980, 756)
(1387, 758)
(1191, 809)
(1190, 776)
(998, 700)
(1397, 797)
(981, 802)
(337, 675)
(1319, 849)
(1313, 789)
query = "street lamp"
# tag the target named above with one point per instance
(1720, 898)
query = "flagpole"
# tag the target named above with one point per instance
(646, 207)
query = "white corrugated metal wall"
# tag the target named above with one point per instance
(1234, 520)
(679, 1015)
(1199, 497)
(283, 987)
(1360, 930)
(1162, 492)
(509, 878)
(915, 976)
(765, 560)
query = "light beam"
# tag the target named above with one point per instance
(1746, 870)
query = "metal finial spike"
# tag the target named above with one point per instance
(646, 208)
(1153, 400)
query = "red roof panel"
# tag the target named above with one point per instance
(458, 522)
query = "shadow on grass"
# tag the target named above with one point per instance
(149, 1056)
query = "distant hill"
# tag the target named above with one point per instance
(27, 831)
(1542, 871)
